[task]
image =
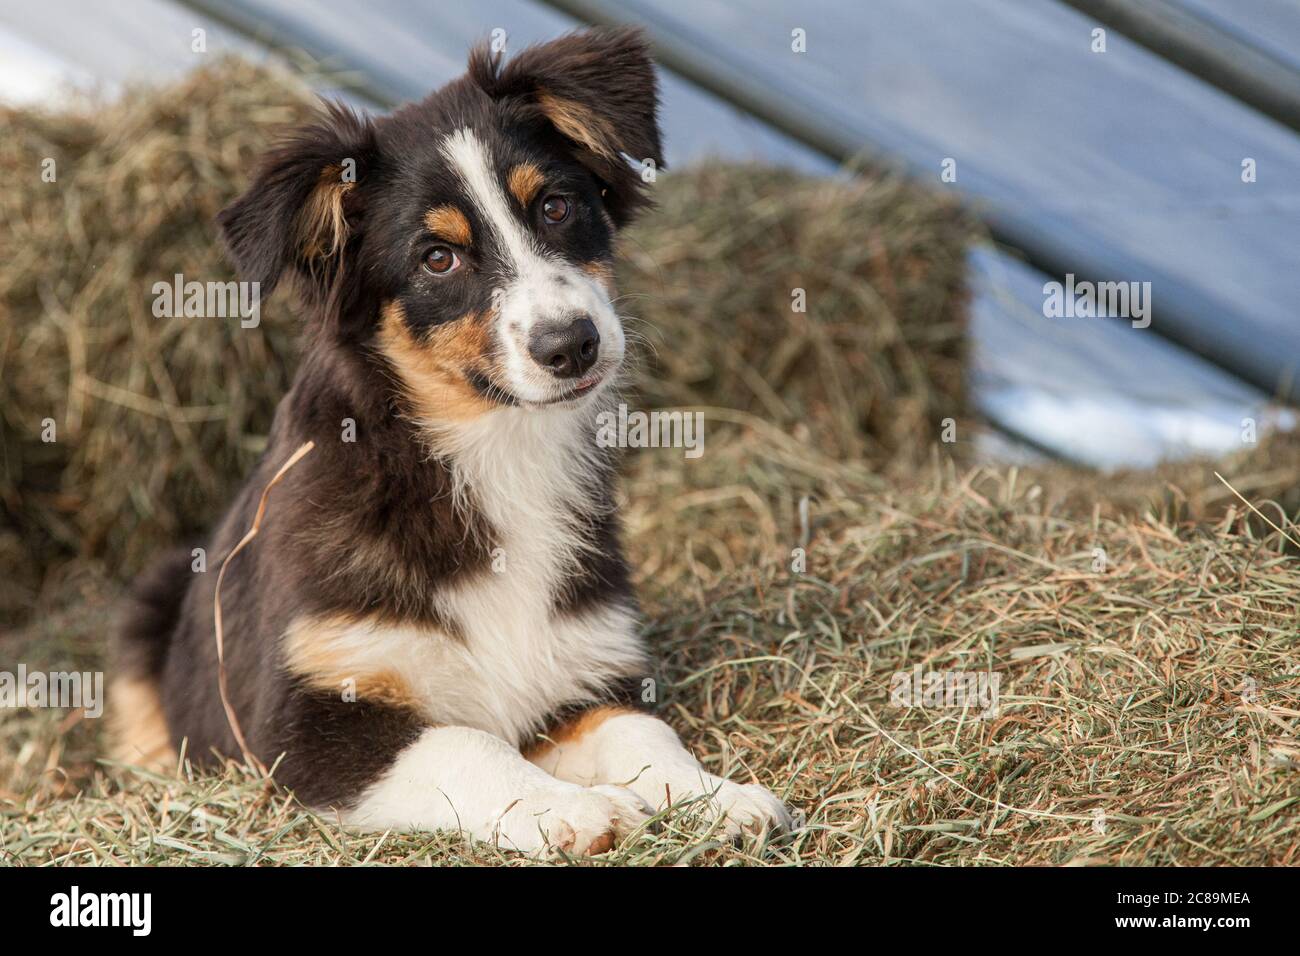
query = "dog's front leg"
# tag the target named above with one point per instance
(458, 778)
(609, 745)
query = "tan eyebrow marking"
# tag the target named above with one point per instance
(525, 181)
(448, 222)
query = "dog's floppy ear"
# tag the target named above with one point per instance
(597, 88)
(303, 206)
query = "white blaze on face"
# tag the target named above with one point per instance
(542, 288)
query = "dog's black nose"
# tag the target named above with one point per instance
(567, 350)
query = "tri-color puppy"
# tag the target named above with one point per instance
(435, 628)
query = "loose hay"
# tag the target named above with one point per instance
(823, 543)
(1147, 711)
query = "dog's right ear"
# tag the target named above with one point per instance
(304, 204)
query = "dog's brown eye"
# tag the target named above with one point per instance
(440, 260)
(555, 209)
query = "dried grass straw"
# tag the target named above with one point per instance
(219, 630)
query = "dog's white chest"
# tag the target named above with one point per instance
(517, 660)
(514, 661)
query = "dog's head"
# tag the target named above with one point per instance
(466, 240)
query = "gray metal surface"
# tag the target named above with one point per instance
(1053, 382)
(1210, 44)
(405, 49)
(1270, 25)
(84, 45)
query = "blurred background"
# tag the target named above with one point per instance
(1153, 141)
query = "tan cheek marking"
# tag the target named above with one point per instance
(573, 730)
(448, 222)
(315, 650)
(463, 342)
(525, 182)
(433, 372)
(137, 726)
(579, 124)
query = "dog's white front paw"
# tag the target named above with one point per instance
(748, 807)
(579, 820)
(644, 753)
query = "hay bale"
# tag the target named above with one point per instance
(156, 419)
(875, 360)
